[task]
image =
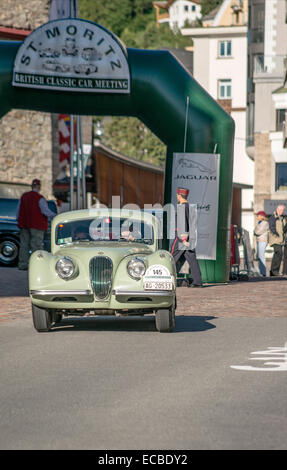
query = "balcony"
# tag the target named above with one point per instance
(266, 64)
(256, 36)
(237, 5)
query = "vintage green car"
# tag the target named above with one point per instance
(106, 262)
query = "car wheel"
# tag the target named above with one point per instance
(165, 320)
(9, 251)
(42, 319)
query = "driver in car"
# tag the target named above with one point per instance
(129, 233)
(81, 233)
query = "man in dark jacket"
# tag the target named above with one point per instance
(33, 215)
(183, 247)
(277, 239)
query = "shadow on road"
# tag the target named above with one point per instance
(184, 324)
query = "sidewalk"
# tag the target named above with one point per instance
(258, 297)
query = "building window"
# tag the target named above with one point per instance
(224, 89)
(281, 176)
(224, 48)
(257, 20)
(185, 8)
(193, 7)
(280, 119)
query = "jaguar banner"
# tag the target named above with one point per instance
(199, 173)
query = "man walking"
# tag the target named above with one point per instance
(183, 248)
(277, 233)
(33, 215)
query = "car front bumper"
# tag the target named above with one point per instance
(119, 299)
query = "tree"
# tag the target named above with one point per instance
(134, 22)
(131, 137)
(208, 5)
(114, 15)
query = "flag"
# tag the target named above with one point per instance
(64, 126)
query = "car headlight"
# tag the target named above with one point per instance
(65, 268)
(136, 268)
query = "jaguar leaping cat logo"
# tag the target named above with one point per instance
(185, 163)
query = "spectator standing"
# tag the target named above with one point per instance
(261, 234)
(181, 247)
(33, 215)
(277, 231)
(285, 249)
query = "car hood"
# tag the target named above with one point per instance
(115, 251)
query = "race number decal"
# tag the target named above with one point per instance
(158, 277)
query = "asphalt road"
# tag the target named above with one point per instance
(115, 383)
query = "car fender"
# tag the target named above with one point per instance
(43, 275)
(123, 280)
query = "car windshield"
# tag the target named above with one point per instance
(113, 229)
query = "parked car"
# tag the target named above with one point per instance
(10, 233)
(54, 66)
(85, 68)
(49, 53)
(104, 261)
(90, 53)
(70, 47)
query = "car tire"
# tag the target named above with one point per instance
(42, 319)
(9, 251)
(165, 320)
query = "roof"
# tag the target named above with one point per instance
(100, 147)
(167, 4)
(103, 211)
(282, 89)
(212, 14)
(13, 33)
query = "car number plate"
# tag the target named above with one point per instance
(157, 285)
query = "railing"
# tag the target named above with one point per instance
(256, 35)
(269, 64)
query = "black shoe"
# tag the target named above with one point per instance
(274, 274)
(195, 285)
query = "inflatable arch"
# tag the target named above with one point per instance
(148, 84)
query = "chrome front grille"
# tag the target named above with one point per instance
(101, 275)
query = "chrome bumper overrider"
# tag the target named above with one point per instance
(61, 292)
(147, 293)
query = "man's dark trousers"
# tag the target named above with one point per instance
(180, 256)
(276, 260)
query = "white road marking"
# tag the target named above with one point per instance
(276, 360)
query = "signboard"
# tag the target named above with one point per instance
(270, 205)
(74, 55)
(199, 173)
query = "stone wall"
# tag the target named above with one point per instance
(25, 136)
(25, 148)
(24, 14)
(29, 140)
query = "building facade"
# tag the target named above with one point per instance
(220, 66)
(177, 13)
(25, 136)
(267, 101)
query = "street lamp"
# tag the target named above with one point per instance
(98, 130)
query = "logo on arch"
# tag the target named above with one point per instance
(74, 55)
